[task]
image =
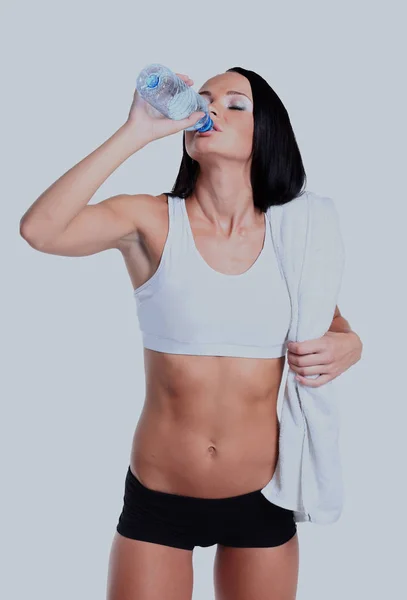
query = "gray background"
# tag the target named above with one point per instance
(72, 383)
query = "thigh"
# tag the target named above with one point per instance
(269, 573)
(141, 570)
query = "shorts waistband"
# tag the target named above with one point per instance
(133, 480)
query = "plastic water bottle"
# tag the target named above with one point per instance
(171, 96)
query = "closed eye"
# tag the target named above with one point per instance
(236, 107)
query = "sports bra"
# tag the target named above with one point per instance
(187, 307)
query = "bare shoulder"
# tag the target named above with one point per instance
(146, 212)
(142, 249)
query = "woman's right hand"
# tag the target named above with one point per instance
(149, 124)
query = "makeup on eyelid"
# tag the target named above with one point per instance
(242, 106)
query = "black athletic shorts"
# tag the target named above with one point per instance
(245, 521)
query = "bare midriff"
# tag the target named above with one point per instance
(209, 425)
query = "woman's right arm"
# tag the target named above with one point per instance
(60, 220)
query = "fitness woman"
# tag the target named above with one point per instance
(214, 312)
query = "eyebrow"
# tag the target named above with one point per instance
(228, 93)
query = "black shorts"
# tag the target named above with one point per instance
(245, 521)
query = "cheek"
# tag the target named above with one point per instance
(244, 124)
(248, 127)
(243, 134)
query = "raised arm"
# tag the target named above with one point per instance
(60, 220)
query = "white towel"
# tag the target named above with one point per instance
(308, 475)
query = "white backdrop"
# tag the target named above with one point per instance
(72, 383)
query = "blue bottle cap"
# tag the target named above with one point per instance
(207, 126)
(152, 81)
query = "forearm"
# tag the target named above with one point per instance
(341, 325)
(55, 208)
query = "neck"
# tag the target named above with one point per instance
(223, 195)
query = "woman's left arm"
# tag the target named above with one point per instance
(329, 356)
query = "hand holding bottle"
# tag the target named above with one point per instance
(149, 124)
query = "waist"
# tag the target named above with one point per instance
(209, 442)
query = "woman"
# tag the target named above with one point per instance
(204, 272)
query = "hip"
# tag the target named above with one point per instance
(245, 520)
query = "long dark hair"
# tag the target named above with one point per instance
(277, 172)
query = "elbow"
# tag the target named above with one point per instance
(30, 234)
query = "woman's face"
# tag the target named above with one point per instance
(234, 115)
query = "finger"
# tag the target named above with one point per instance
(314, 370)
(307, 347)
(306, 360)
(193, 118)
(314, 383)
(182, 124)
(185, 78)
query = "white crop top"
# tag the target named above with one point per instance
(186, 307)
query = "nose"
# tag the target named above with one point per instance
(211, 108)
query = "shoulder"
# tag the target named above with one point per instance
(324, 226)
(321, 211)
(320, 201)
(145, 211)
(311, 198)
(310, 203)
(307, 212)
(144, 207)
(147, 204)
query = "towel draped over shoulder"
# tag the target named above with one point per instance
(309, 246)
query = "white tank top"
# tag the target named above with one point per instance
(186, 307)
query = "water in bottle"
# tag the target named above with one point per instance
(171, 96)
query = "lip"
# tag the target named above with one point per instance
(216, 128)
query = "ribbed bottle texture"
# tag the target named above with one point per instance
(171, 96)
